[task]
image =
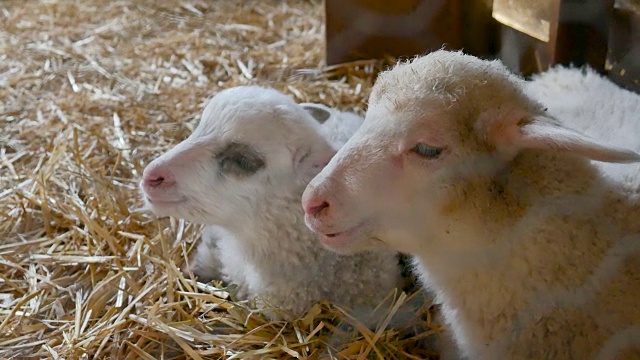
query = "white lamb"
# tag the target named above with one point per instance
(243, 171)
(530, 250)
(592, 104)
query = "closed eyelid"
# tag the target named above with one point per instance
(240, 159)
(431, 141)
(235, 148)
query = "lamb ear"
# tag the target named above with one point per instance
(310, 159)
(319, 112)
(544, 133)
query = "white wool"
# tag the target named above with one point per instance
(242, 173)
(531, 248)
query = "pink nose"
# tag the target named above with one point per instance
(156, 179)
(314, 205)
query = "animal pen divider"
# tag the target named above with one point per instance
(528, 36)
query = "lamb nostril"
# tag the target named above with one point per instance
(156, 178)
(316, 209)
(159, 181)
(156, 181)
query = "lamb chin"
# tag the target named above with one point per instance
(336, 243)
(165, 208)
(342, 242)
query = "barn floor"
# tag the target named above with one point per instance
(90, 92)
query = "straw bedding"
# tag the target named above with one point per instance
(93, 90)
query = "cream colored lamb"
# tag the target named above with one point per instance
(242, 172)
(592, 104)
(530, 250)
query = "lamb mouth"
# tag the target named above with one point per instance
(162, 202)
(344, 234)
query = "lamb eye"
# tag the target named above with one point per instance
(245, 163)
(427, 151)
(239, 164)
(240, 159)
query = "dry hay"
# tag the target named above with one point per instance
(90, 92)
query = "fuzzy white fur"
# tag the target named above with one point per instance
(256, 236)
(532, 252)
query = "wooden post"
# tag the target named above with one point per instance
(536, 34)
(623, 58)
